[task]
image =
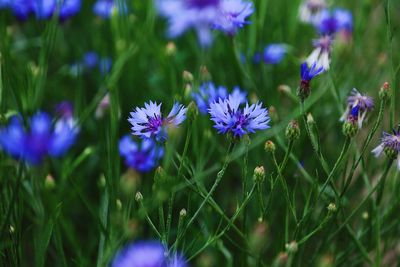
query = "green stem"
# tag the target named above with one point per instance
(206, 199)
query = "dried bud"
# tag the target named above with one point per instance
(385, 92)
(293, 130)
(138, 197)
(49, 182)
(182, 213)
(170, 49)
(292, 247)
(187, 76)
(332, 207)
(259, 174)
(269, 146)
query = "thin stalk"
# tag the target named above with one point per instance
(148, 219)
(206, 199)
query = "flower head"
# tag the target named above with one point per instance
(148, 122)
(310, 10)
(307, 74)
(390, 145)
(41, 140)
(229, 117)
(208, 93)
(233, 14)
(146, 254)
(358, 106)
(333, 21)
(322, 52)
(105, 8)
(141, 156)
(274, 53)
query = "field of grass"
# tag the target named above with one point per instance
(321, 198)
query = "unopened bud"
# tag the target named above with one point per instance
(192, 111)
(188, 91)
(118, 204)
(332, 207)
(49, 182)
(269, 146)
(385, 93)
(170, 49)
(292, 247)
(187, 76)
(204, 74)
(293, 130)
(310, 119)
(259, 174)
(138, 197)
(285, 89)
(365, 215)
(182, 213)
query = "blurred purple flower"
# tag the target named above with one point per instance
(274, 53)
(310, 10)
(148, 122)
(333, 21)
(390, 145)
(322, 52)
(105, 8)
(359, 104)
(233, 15)
(146, 254)
(143, 156)
(229, 117)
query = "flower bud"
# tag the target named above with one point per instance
(385, 92)
(310, 119)
(269, 146)
(170, 49)
(187, 76)
(284, 89)
(259, 174)
(187, 91)
(292, 247)
(293, 130)
(192, 111)
(138, 197)
(11, 229)
(49, 182)
(273, 113)
(350, 128)
(204, 74)
(332, 207)
(182, 213)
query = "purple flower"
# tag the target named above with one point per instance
(41, 140)
(390, 145)
(310, 10)
(148, 122)
(307, 74)
(322, 52)
(142, 156)
(105, 8)
(229, 117)
(146, 254)
(274, 53)
(44, 9)
(69, 8)
(333, 21)
(233, 14)
(208, 93)
(203, 16)
(90, 59)
(359, 103)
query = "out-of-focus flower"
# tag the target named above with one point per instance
(322, 52)
(233, 15)
(102, 106)
(229, 117)
(390, 145)
(203, 16)
(105, 8)
(208, 93)
(307, 74)
(141, 156)
(331, 22)
(146, 254)
(310, 9)
(362, 103)
(148, 122)
(90, 61)
(41, 140)
(43, 9)
(274, 53)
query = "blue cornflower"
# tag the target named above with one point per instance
(274, 53)
(333, 21)
(203, 16)
(146, 254)
(230, 118)
(91, 59)
(41, 140)
(105, 8)
(69, 8)
(142, 156)
(148, 122)
(233, 15)
(360, 104)
(390, 145)
(307, 74)
(209, 93)
(44, 9)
